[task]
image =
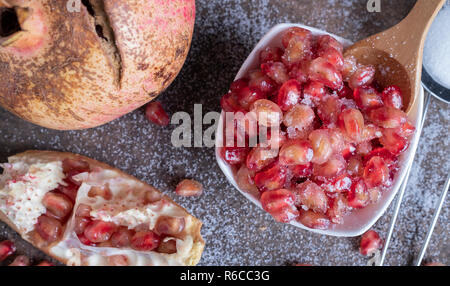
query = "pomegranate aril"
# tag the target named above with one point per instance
(270, 54)
(122, 237)
(340, 184)
(299, 72)
(363, 76)
(168, 247)
(322, 71)
(388, 158)
(272, 178)
(70, 190)
(314, 90)
(267, 113)
(244, 179)
(280, 204)
(229, 103)
(238, 85)
(75, 166)
(171, 226)
(388, 117)
(80, 224)
(350, 66)
(289, 95)
(83, 211)
(7, 248)
(99, 231)
(189, 188)
(313, 220)
(248, 95)
(312, 196)
(260, 157)
(374, 194)
(351, 123)
(234, 155)
(145, 241)
(329, 109)
(321, 145)
(406, 129)
(332, 168)
(298, 44)
(83, 239)
(370, 243)
(257, 79)
(338, 209)
(367, 98)
(20, 260)
(358, 197)
(59, 205)
(277, 71)
(333, 56)
(299, 117)
(355, 166)
(393, 142)
(296, 152)
(301, 171)
(50, 229)
(376, 172)
(155, 113)
(298, 32)
(325, 42)
(392, 97)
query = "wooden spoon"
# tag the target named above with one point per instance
(397, 53)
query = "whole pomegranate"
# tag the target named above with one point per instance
(75, 64)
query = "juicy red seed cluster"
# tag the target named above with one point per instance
(339, 135)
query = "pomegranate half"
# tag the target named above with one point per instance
(78, 64)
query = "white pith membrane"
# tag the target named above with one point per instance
(124, 209)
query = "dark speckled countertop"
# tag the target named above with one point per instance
(237, 232)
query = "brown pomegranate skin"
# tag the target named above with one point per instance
(57, 73)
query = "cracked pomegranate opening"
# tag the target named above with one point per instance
(9, 22)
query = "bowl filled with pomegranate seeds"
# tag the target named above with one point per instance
(310, 137)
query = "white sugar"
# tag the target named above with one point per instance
(437, 48)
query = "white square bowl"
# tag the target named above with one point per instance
(361, 220)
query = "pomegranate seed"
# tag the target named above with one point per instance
(314, 90)
(145, 241)
(280, 204)
(272, 178)
(312, 196)
(350, 66)
(267, 113)
(301, 171)
(99, 231)
(325, 42)
(393, 142)
(83, 211)
(294, 32)
(370, 243)
(72, 166)
(269, 55)
(355, 166)
(363, 76)
(50, 229)
(392, 97)
(298, 44)
(234, 155)
(44, 263)
(299, 117)
(388, 117)
(332, 168)
(337, 140)
(155, 113)
(122, 237)
(238, 85)
(71, 190)
(322, 71)
(260, 157)
(296, 152)
(388, 158)
(367, 98)
(351, 122)
(289, 95)
(82, 238)
(189, 188)
(406, 129)
(329, 109)
(299, 72)
(260, 81)
(21, 260)
(314, 220)
(80, 224)
(168, 247)
(151, 196)
(248, 95)
(333, 56)
(7, 248)
(345, 92)
(341, 183)
(321, 145)
(229, 103)
(338, 209)
(59, 205)
(358, 197)
(376, 173)
(244, 179)
(118, 260)
(276, 71)
(171, 226)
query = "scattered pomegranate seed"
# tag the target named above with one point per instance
(314, 90)
(189, 188)
(325, 42)
(355, 166)
(21, 260)
(155, 113)
(229, 103)
(370, 243)
(7, 248)
(333, 56)
(99, 231)
(299, 72)
(298, 44)
(50, 229)
(145, 241)
(312, 196)
(238, 85)
(59, 205)
(280, 204)
(350, 66)
(314, 220)
(168, 247)
(332, 168)
(329, 110)
(244, 179)
(392, 97)
(289, 95)
(260, 157)
(272, 178)
(171, 226)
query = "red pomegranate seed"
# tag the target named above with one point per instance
(238, 85)
(280, 204)
(260, 81)
(322, 71)
(333, 56)
(289, 94)
(80, 224)
(367, 98)
(270, 54)
(50, 229)
(350, 66)
(168, 247)
(229, 103)
(21, 260)
(388, 158)
(122, 237)
(370, 243)
(234, 155)
(332, 168)
(388, 117)
(301, 171)
(172, 226)
(59, 205)
(393, 142)
(298, 44)
(363, 76)
(299, 72)
(314, 90)
(312, 196)
(406, 129)
(155, 113)
(145, 241)
(329, 109)
(248, 95)
(392, 97)
(325, 42)
(82, 238)
(267, 113)
(44, 263)
(189, 188)
(376, 172)
(338, 209)
(70, 190)
(118, 260)
(321, 145)
(351, 123)
(296, 152)
(355, 166)
(345, 92)
(83, 211)
(99, 231)
(272, 178)
(340, 184)
(314, 220)
(337, 140)
(276, 71)
(245, 181)
(299, 117)
(7, 248)
(260, 157)
(294, 32)
(358, 197)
